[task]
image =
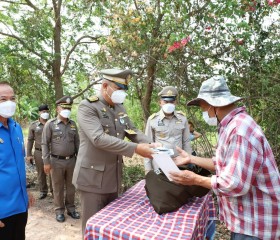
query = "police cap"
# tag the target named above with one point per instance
(43, 107)
(65, 102)
(120, 77)
(168, 93)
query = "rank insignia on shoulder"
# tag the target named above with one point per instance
(93, 99)
(182, 113)
(130, 131)
(152, 116)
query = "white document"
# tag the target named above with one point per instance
(165, 162)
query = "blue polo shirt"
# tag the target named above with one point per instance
(13, 194)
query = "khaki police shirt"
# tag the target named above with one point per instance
(59, 139)
(102, 131)
(34, 135)
(170, 132)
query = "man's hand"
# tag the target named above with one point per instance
(145, 149)
(183, 177)
(183, 158)
(31, 199)
(2, 224)
(47, 169)
(30, 159)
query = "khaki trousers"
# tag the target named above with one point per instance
(91, 203)
(62, 173)
(42, 177)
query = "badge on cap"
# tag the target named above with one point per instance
(68, 100)
(169, 93)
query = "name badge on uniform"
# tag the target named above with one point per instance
(122, 121)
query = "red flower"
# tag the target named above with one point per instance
(184, 41)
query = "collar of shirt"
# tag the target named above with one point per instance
(229, 117)
(162, 115)
(58, 120)
(11, 122)
(101, 98)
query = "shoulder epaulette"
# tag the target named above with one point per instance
(35, 121)
(182, 113)
(153, 115)
(93, 99)
(52, 120)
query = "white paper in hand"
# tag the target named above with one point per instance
(166, 164)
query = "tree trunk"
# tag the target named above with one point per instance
(146, 101)
(57, 51)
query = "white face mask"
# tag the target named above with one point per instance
(65, 113)
(118, 96)
(168, 108)
(45, 115)
(211, 121)
(7, 109)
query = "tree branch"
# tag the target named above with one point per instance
(25, 45)
(66, 62)
(87, 88)
(30, 4)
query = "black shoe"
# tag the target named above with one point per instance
(43, 195)
(60, 217)
(74, 215)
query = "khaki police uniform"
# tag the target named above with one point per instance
(98, 171)
(170, 131)
(60, 145)
(35, 135)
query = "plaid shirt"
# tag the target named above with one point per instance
(247, 180)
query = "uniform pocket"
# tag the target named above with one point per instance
(91, 175)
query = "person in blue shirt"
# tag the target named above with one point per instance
(14, 199)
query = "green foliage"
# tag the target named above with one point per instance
(131, 175)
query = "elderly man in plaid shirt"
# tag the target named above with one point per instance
(247, 180)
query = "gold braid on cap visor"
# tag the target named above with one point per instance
(65, 106)
(117, 79)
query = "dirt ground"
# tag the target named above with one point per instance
(43, 226)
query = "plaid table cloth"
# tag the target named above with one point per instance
(132, 217)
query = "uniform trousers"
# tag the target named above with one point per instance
(14, 227)
(42, 177)
(91, 203)
(62, 173)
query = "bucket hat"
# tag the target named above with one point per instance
(215, 92)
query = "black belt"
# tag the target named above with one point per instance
(39, 149)
(62, 157)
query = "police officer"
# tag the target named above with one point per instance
(60, 144)
(35, 135)
(104, 124)
(168, 126)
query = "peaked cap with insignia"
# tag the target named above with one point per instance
(168, 93)
(118, 76)
(65, 102)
